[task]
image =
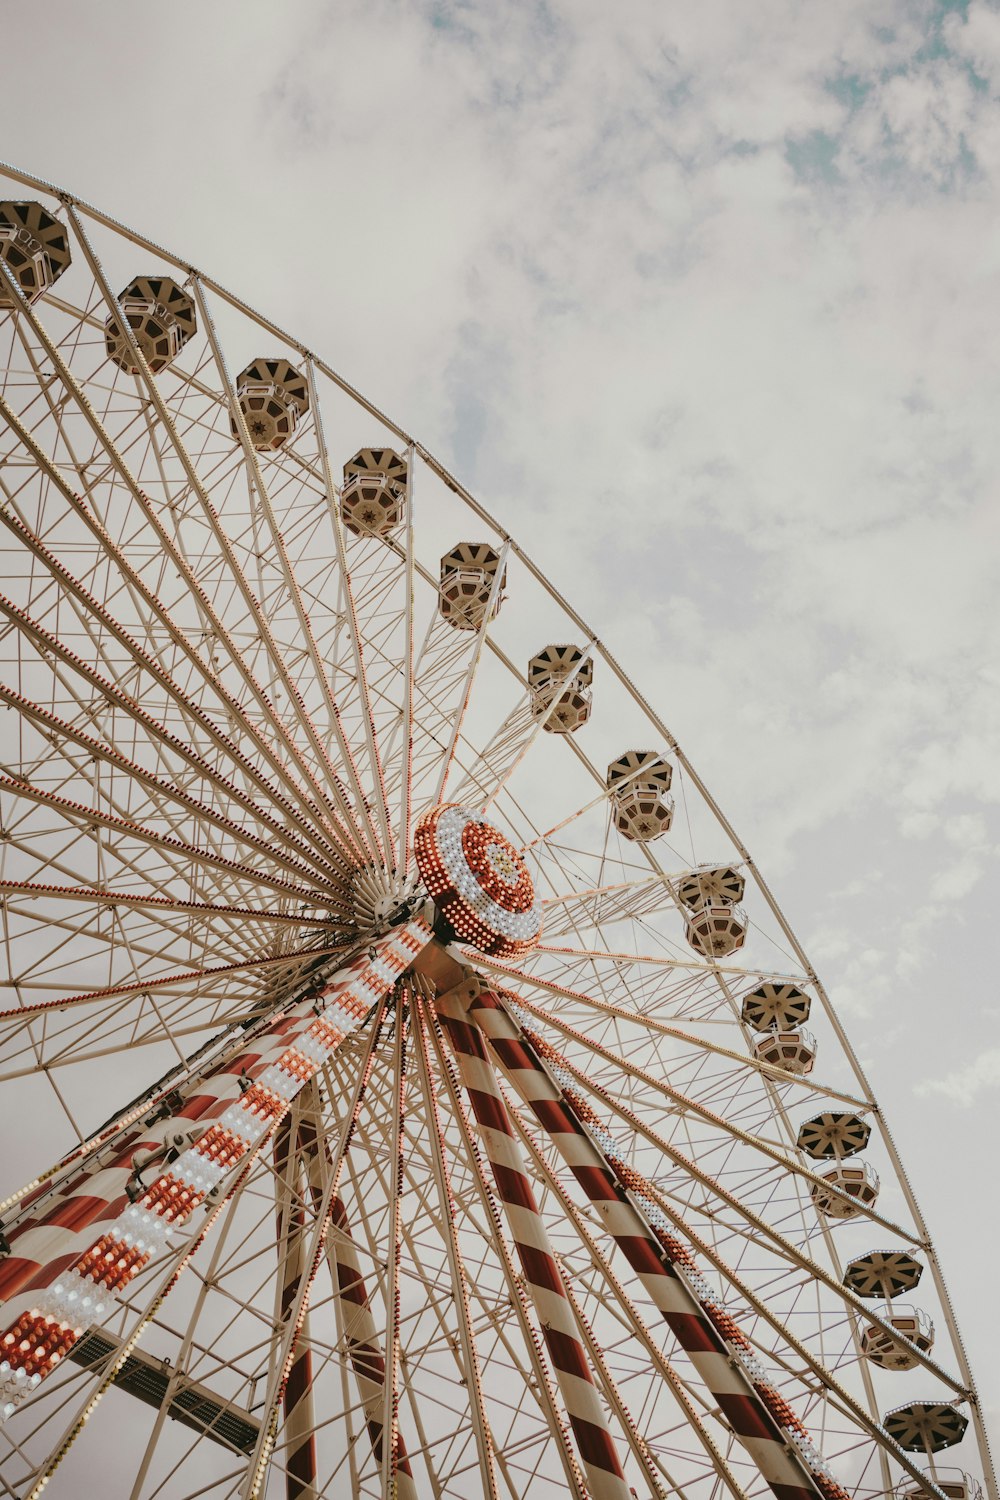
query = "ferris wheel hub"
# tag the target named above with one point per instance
(380, 898)
(478, 880)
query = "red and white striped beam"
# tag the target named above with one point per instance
(300, 1421)
(67, 1267)
(562, 1335)
(360, 1332)
(758, 1415)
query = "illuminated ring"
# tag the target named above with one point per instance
(478, 881)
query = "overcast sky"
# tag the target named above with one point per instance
(701, 299)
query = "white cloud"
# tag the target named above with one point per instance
(964, 1086)
(976, 37)
(920, 121)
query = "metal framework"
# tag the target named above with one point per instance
(371, 1212)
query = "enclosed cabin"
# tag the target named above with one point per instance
(912, 1330)
(468, 576)
(793, 1051)
(774, 1004)
(639, 787)
(33, 247)
(925, 1426)
(161, 318)
(716, 923)
(373, 499)
(833, 1135)
(272, 395)
(883, 1273)
(777, 1011)
(560, 679)
(888, 1275)
(846, 1190)
(954, 1483)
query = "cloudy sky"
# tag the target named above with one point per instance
(701, 301)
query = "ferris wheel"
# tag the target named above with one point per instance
(440, 1102)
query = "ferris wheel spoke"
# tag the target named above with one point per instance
(660, 1028)
(121, 1037)
(406, 719)
(120, 703)
(354, 630)
(122, 1030)
(585, 924)
(294, 594)
(370, 662)
(129, 939)
(687, 1104)
(251, 967)
(618, 901)
(359, 1334)
(585, 1083)
(633, 1321)
(180, 1262)
(116, 841)
(746, 1409)
(196, 593)
(298, 1407)
(545, 839)
(389, 1464)
(480, 1422)
(406, 734)
(517, 736)
(55, 410)
(515, 1287)
(443, 674)
(465, 693)
(43, 639)
(284, 1351)
(132, 900)
(61, 732)
(379, 1168)
(421, 1234)
(488, 769)
(645, 851)
(620, 959)
(148, 1017)
(565, 1342)
(500, 758)
(193, 855)
(111, 848)
(442, 681)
